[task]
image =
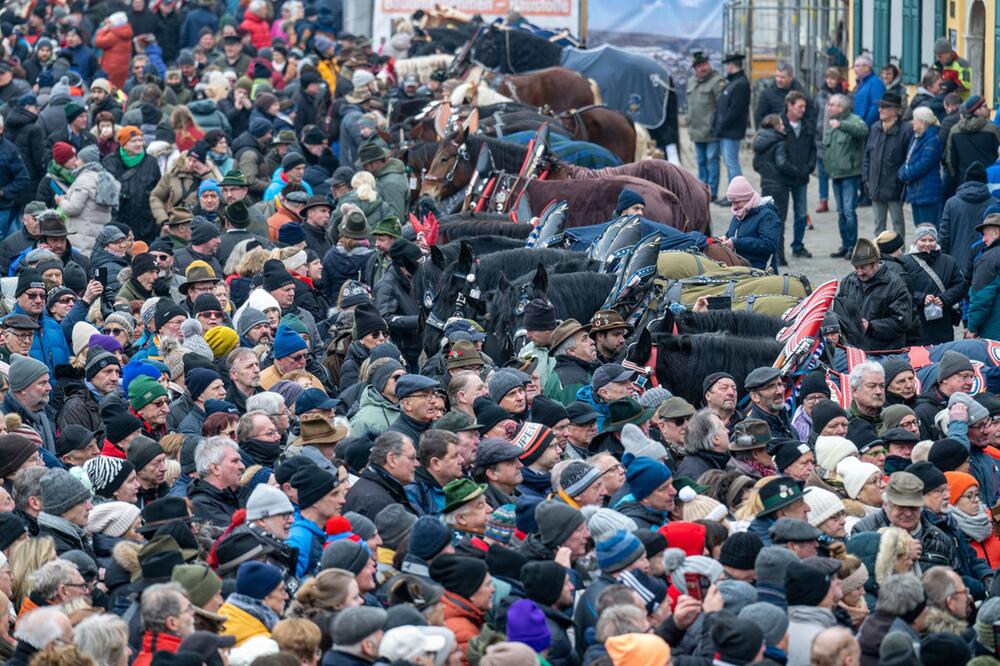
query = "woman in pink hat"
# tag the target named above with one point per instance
(755, 229)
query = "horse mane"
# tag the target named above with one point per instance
(515, 51)
(507, 156)
(468, 227)
(420, 155)
(522, 260)
(744, 324)
(683, 362)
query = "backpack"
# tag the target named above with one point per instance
(108, 190)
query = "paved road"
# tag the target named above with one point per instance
(821, 241)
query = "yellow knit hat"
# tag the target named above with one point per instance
(221, 340)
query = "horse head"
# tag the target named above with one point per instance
(452, 165)
(455, 294)
(505, 312)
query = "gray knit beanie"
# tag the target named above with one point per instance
(394, 523)
(771, 620)
(771, 564)
(556, 522)
(249, 318)
(380, 375)
(61, 491)
(23, 371)
(502, 383)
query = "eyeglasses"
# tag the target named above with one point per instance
(971, 495)
(115, 331)
(161, 402)
(66, 300)
(380, 335)
(679, 421)
(270, 432)
(26, 336)
(35, 295)
(299, 357)
(211, 314)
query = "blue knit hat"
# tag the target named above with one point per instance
(644, 475)
(500, 524)
(619, 550)
(627, 199)
(137, 369)
(291, 233)
(257, 579)
(209, 184)
(428, 537)
(198, 379)
(287, 342)
(259, 127)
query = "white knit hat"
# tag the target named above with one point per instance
(602, 522)
(112, 518)
(830, 450)
(81, 335)
(822, 505)
(855, 474)
(703, 507)
(266, 501)
(636, 443)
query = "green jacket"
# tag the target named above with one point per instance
(844, 146)
(545, 361)
(375, 413)
(567, 377)
(702, 96)
(394, 188)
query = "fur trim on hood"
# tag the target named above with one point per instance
(126, 554)
(894, 543)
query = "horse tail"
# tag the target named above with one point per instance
(644, 147)
(596, 89)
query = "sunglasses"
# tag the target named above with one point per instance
(161, 257)
(35, 295)
(211, 314)
(301, 356)
(66, 300)
(115, 331)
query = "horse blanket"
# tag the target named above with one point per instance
(580, 153)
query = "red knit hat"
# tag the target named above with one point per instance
(62, 152)
(689, 537)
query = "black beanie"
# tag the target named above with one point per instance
(976, 172)
(740, 551)
(928, 474)
(825, 411)
(948, 454)
(459, 574)
(543, 581)
(286, 470)
(405, 254)
(654, 542)
(29, 279)
(367, 320)
(714, 378)
(166, 310)
(313, 484)
(737, 640)
(11, 529)
(893, 367)
(556, 522)
(814, 382)
(539, 315)
(291, 160)
(143, 263)
(547, 411)
(787, 451)
(275, 275)
(805, 585)
(119, 422)
(505, 562)
(943, 649)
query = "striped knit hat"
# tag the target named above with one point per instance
(500, 524)
(107, 474)
(618, 551)
(533, 439)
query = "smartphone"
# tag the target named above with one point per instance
(720, 302)
(101, 275)
(697, 585)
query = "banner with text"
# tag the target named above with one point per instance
(556, 14)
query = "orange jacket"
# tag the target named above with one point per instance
(989, 550)
(280, 218)
(117, 46)
(153, 642)
(464, 620)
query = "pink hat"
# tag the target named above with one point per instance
(740, 189)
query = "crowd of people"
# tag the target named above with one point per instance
(222, 443)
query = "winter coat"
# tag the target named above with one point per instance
(756, 236)
(921, 172)
(278, 183)
(464, 620)
(81, 60)
(410, 427)
(695, 464)
(425, 493)
(116, 44)
(208, 116)
(307, 538)
(179, 187)
(823, 96)
(936, 548)
(771, 99)
(961, 214)
(866, 96)
(374, 490)
(973, 139)
(101, 258)
(14, 179)
(885, 302)
(874, 629)
(885, 152)
(250, 160)
(49, 345)
(393, 187)
(973, 570)
(79, 408)
(948, 272)
(399, 309)
(168, 32)
(374, 210)
(732, 108)
(82, 140)
(375, 415)
(134, 204)
(568, 376)
(243, 620)
(984, 296)
(843, 147)
(801, 148)
(642, 514)
(260, 31)
(350, 369)
(924, 97)
(771, 160)
(804, 622)
(199, 17)
(702, 96)
(66, 535)
(212, 505)
(350, 133)
(22, 128)
(185, 256)
(84, 216)
(339, 266)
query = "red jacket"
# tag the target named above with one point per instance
(464, 620)
(117, 46)
(260, 31)
(152, 643)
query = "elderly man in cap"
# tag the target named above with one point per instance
(498, 465)
(575, 354)
(703, 92)
(391, 465)
(236, 220)
(466, 429)
(879, 295)
(539, 324)
(418, 407)
(356, 634)
(17, 334)
(440, 459)
(781, 497)
(903, 507)
(766, 387)
(671, 419)
(719, 393)
(609, 382)
(385, 232)
(288, 210)
(954, 375)
(466, 512)
(177, 228)
(28, 397)
(885, 152)
(609, 331)
(984, 314)
(49, 344)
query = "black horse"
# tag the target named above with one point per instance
(573, 295)
(463, 286)
(742, 324)
(683, 361)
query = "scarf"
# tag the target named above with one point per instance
(130, 161)
(741, 211)
(61, 173)
(255, 608)
(978, 527)
(262, 453)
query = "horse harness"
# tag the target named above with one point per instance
(468, 294)
(461, 155)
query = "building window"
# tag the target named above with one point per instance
(859, 16)
(880, 33)
(910, 62)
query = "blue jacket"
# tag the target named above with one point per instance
(426, 493)
(586, 394)
(14, 180)
(49, 345)
(866, 97)
(278, 183)
(922, 170)
(82, 61)
(959, 217)
(155, 55)
(984, 306)
(755, 237)
(197, 18)
(309, 538)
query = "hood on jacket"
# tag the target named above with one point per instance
(19, 118)
(972, 191)
(394, 165)
(766, 138)
(203, 107)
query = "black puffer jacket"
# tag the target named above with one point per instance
(79, 408)
(771, 160)
(137, 182)
(801, 149)
(350, 369)
(973, 139)
(732, 110)
(884, 153)
(942, 329)
(29, 137)
(375, 490)
(211, 505)
(400, 311)
(885, 302)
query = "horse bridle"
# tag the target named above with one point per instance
(461, 155)
(467, 294)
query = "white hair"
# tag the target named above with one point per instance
(40, 627)
(863, 59)
(925, 115)
(841, 101)
(103, 637)
(267, 401)
(867, 368)
(210, 452)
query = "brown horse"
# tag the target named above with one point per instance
(556, 88)
(691, 191)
